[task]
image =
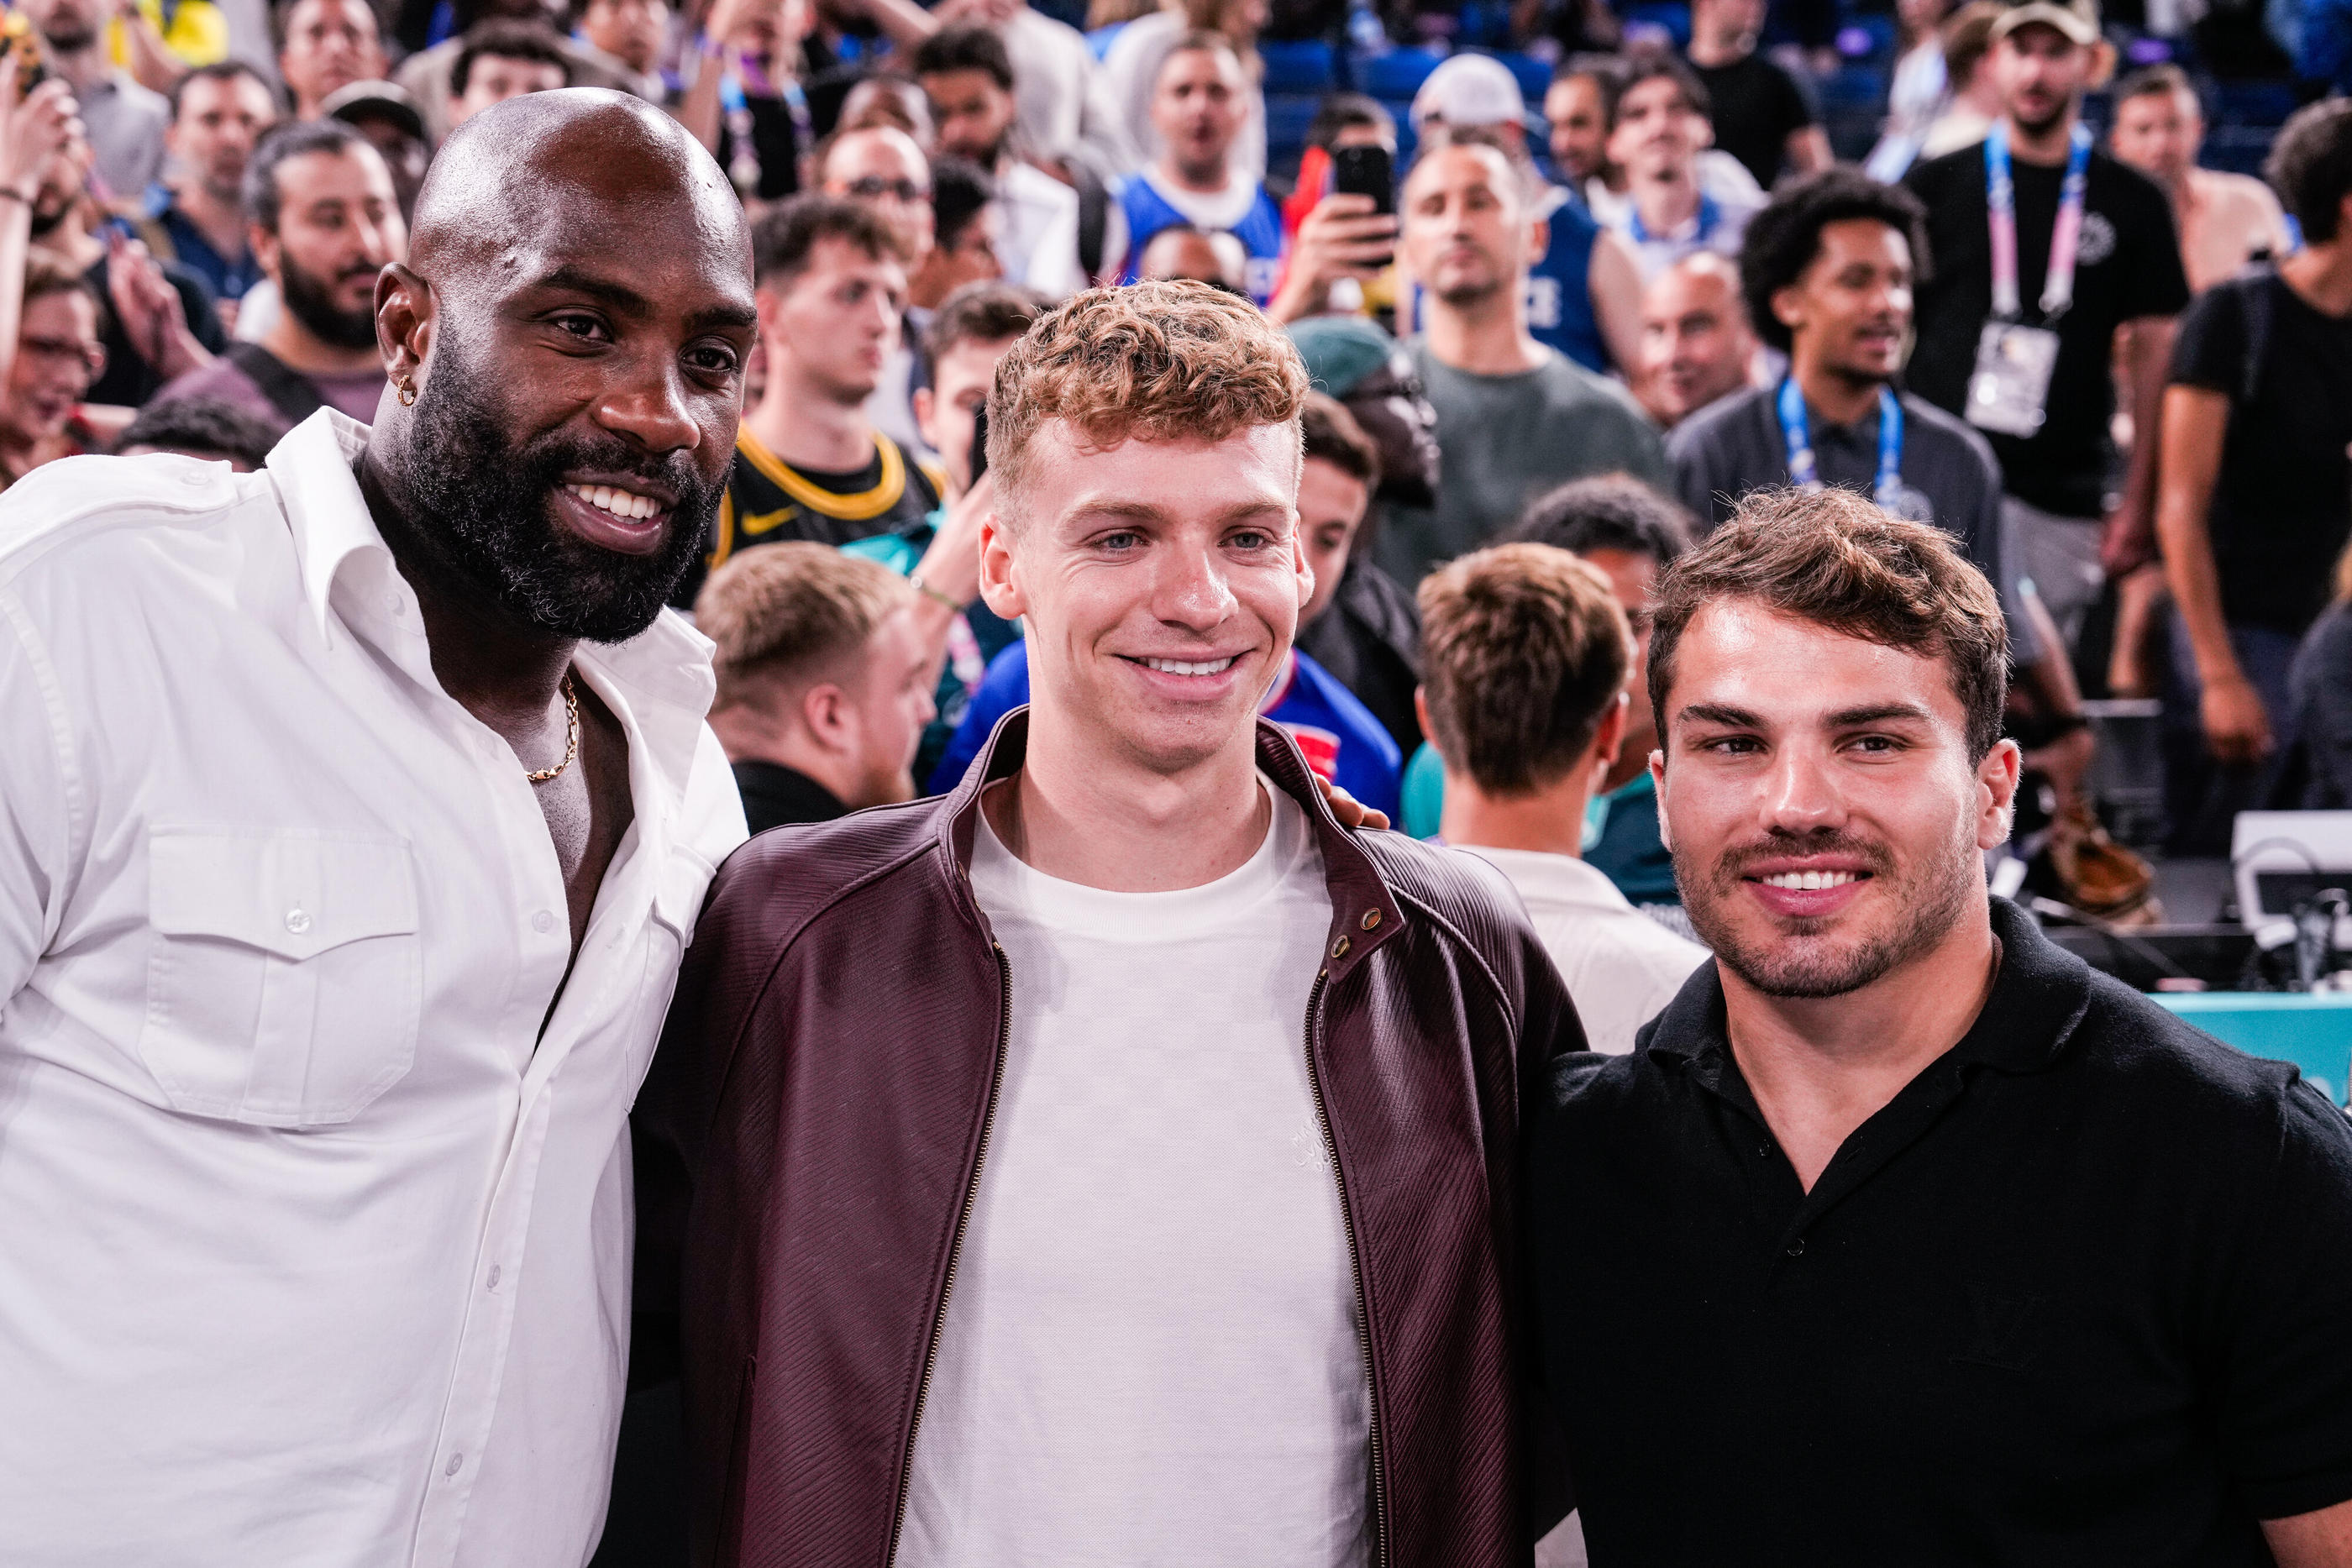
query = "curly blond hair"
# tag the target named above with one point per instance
(1158, 361)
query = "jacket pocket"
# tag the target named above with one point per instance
(286, 979)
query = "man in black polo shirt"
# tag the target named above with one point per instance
(1914, 1241)
(2017, 337)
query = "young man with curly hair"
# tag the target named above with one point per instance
(1113, 1160)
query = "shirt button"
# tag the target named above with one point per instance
(542, 922)
(298, 920)
(494, 1276)
(454, 1461)
(1797, 1248)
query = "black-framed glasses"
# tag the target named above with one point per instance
(872, 188)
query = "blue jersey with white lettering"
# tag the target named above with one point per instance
(1336, 733)
(1260, 231)
(1559, 290)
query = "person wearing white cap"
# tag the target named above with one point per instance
(1584, 293)
(2044, 249)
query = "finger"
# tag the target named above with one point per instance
(1341, 202)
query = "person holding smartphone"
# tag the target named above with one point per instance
(1349, 236)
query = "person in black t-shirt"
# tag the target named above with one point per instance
(2257, 489)
(2127, 274)
(809, 463)
(1902, 1236)
(1763, 115)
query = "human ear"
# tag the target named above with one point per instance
(405, 310)
(997, 587)
(1997, 777)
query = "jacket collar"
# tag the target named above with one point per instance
(1364, 913)
(2037, 999)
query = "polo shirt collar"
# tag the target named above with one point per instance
(2037, 999)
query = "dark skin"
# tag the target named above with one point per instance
(590, 253)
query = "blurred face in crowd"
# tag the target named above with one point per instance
(1633, 580)
(1797, 754)
(1331, 503)
(58, 357)
(1218, 258)
(69, 27)
(1196, 107)
(887, 100)
(2042, 74)
(772, 31)
(830, 328)
(1728, 22)
(973, 116)
(883, 707)
(1659, 134)
(404, 154)
(1696, 341)
(882, 168)
(2158, 134)
(583, 363)
(62, 186)
(1580, 127)
(968, 257)
(218, 123)
(1467, 233)
(1849, 309)
(494, 78)
(1162, 580)
(330, 43)
(631, 31)
(339, 225)
(945, 410)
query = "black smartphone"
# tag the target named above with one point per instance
(979, 442)
(1365, 172)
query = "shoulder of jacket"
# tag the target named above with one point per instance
(1465, 896)
(786, 877)
(109, 505)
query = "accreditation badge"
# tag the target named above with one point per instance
(2009, 389)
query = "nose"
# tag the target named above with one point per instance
(1191, 589)
(1799, 796)
(650, 410)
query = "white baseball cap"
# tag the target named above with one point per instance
(1470, 89)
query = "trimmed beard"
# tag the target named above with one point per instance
(311, 302)
(478, 513)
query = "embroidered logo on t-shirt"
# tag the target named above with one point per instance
(2098, 241)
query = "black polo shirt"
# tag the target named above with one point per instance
(2080, 1294)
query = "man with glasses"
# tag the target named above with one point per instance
(58, 357)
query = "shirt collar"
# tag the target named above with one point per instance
(1557, 878)
(664, 671)
(2037, 998)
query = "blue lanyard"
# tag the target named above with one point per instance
(2065, 232)
(1709, 215)
(1805, 473)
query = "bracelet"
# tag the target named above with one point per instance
(925, 588)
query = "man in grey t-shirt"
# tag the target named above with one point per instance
(1514, 417)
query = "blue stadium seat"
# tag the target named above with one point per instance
(1398, 74)
(1667, 14)
(1298, 66)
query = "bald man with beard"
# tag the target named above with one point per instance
(353, 816)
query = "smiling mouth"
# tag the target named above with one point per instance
(1812, 881)
(1188, 666)
(626, 504)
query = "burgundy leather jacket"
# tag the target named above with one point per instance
(817, 1118)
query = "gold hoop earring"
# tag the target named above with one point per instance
(407, 395)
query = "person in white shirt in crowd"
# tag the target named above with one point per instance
(1197, 104)
(2225, 220)
(1921, 90)
(1697, 344)
(1140, 51)
(125, 122)
(1067, 111)
(1525, 656)
(967, 73)
(1660, 130)
(1580, 109)
(320, 1069)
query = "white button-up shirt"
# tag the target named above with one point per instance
(313, 1247)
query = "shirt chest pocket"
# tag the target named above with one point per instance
(286, 977)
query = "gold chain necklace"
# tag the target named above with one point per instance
(570, 735)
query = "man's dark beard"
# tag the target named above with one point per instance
(479, 514)
(69, 36)
(2048, 122)
(47, 221)
(1931, 900)
(312, 301)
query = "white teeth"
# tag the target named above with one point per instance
(1809, 881)
(1180, 667)
(620, 503)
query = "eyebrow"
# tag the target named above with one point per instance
(576, 279)
(1880, 712)
(1722, 713)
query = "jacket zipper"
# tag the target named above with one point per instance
(955, 1246)
(1356, 1267)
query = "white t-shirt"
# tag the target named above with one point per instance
(1151, 1352)
(1621, 967)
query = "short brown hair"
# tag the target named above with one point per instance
(1833, 557)
(1968, 38)
(785, 236)
(1164, 361)
(48, 272)
(984, 312)
(791, 612)
(1331, 435)
(1524, 649)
